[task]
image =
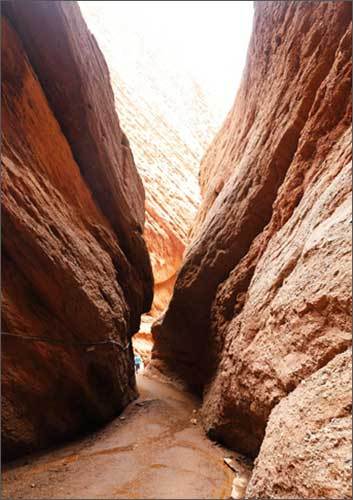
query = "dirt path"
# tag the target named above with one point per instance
(151, 451)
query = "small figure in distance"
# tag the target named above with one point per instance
(139, 366)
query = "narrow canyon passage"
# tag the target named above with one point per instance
(137, 221)
(153, 450)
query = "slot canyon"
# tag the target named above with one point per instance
(219, 250)
(168, 140)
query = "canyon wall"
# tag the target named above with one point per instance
(262, 303)
(169, 122)
(307, 451)
(76, 274)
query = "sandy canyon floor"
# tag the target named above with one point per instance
(153, 450)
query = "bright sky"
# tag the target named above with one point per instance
(208, 38)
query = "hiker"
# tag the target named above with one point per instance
(138, 363)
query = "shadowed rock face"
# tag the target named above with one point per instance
(75, 266)
(263, 298)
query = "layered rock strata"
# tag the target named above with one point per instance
(168, 120)
(263, 299)
(76, 274)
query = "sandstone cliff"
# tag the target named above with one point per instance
(76, 274)
(169, 123)
(263, 298)
(168, 120)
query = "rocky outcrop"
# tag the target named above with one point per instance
(76, 274)
(307, 450)
(263, 298)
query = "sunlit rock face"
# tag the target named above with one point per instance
(76, 274)
(263, 299)
(168, 136)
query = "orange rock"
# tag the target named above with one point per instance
(75, 266)
(75, 79)
(168, 138)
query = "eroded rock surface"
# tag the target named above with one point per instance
(307, 450)
(168, 137)
(263, 299)
(75, 271)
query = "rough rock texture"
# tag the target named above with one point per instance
(263, 299)
(75, 269)
(307, 450)
(166, 116)
(78, 90)
(168, 121)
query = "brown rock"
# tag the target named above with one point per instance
(296, 316)
(168, 138)
(75, 267)
(75, 79)
(307, 448)
(263, 298)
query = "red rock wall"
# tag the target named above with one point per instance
(75, 266)
(168, 120)
(263, 299)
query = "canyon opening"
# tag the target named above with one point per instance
(176, 249)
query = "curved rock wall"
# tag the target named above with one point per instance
(168, 120)
(263, 299)
(76, 274)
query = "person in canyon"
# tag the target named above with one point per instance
(139, 366)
